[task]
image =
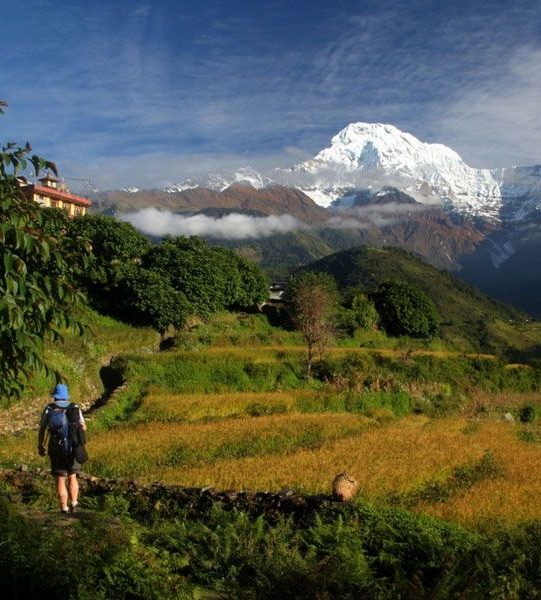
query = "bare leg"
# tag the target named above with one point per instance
(62, 491)
(73, 486)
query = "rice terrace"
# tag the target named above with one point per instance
(235, 412)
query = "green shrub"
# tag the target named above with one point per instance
(527, 414)
(406, 310)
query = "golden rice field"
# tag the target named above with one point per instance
(398, 455)
(200, 440)
(195, 407)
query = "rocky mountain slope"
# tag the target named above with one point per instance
(238, 197)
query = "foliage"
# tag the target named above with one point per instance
(470, 320)
(340, 552)
(146, 298)
(254, 283)
(313, 302)
(364, 311)
(406, 310)
(113, 242)
(211, 278)
(162, 285)
(39, 297)
(527, 413)
(359, 312)
(114, 245)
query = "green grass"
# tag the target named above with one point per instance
(79, 359)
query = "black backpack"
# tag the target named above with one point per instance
(63, 424)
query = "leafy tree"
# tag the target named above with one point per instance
(114, 243)
(148, 299)
(406, 310)
(313, 299)
(254, 287)
(359, 312)
(364, 311)
(39, 297)
(211, 278)
(185, 263)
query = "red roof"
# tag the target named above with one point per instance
(44, 190)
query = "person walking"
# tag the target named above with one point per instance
(64, 425)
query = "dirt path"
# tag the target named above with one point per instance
(25, 414)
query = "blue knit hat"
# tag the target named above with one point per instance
(61, 394)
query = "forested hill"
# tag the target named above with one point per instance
(468, 317)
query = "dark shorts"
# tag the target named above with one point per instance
(63, 465)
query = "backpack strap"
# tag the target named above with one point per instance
(72, 412)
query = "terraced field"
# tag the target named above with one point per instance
(244, 418)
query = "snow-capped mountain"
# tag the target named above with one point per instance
(219, 181)
(365, 155)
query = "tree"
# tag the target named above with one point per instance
(114, 245)
(364, 311)
(253, 283)
(359, 312)
(313, 299)
(39, 297)
(406, 310)
(113, 241)
(148, 299)
(211, 278)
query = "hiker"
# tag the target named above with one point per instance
(65, 426)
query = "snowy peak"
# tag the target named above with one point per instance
(362, 146)
(220, 181)
(371, 155)
(369, 146)
(367, 157)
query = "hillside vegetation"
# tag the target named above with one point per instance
(470, 320)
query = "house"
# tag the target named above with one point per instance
(53, 193)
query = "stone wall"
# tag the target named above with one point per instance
(158, 499)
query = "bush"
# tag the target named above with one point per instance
(527, 414)
(406, 310)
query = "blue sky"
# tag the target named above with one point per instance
(144, 93)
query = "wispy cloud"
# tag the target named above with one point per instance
(380, 215)
(100, 91)
(237, 226)
(501, 115)
(234, 226)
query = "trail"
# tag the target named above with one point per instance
(25, 414)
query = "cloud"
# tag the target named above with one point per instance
(234, 226)
(111, 88)
(496, 122)
(379, 215)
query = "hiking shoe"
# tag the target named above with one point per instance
(64, 512)
(73, 509)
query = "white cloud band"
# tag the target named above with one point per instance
(234, 226)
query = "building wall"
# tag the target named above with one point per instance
(71, 208)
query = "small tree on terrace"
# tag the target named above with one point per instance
(313, 299)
